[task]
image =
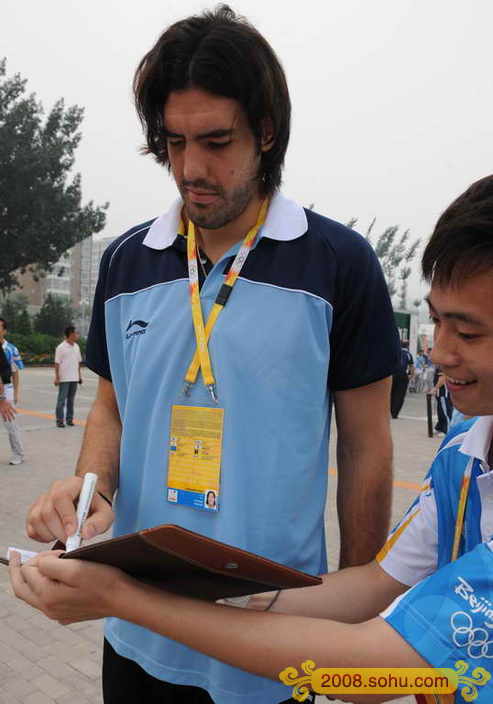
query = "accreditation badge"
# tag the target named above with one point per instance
(194, 456)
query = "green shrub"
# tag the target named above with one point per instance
(38, 348)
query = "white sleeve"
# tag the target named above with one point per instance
(411, 551)
(58, 355)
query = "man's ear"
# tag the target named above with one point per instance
(267, 138)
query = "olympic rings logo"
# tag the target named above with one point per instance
(475, 639)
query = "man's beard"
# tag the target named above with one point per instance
(226, 210)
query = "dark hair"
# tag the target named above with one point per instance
(461, 245)
(2, 320)
(69, 330)
(224, 55)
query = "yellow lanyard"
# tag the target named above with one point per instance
(459, 525)
(201, 357)
(461, 510)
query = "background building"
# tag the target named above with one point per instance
(73, 277)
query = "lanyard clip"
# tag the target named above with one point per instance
(187, 387)
(212, 391)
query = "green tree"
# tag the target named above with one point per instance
(14, 311)
(395, 253)
(24, 326)
(54, 316)
(41, 214)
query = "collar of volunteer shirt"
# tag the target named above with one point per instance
(285, 221)
(477, 440)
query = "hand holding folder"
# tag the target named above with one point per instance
(185, 562)
(188, 563)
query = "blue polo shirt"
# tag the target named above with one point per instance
(309, 315)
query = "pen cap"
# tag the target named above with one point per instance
(83, 506)
(86, 494)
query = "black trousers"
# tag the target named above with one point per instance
(125, 682)
(444, 411)
(398, 394)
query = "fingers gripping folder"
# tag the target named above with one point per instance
(185, 562)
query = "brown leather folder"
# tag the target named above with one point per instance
(185, 562)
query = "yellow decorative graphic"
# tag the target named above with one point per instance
(301, 685)
(469, 685)
(372, 680)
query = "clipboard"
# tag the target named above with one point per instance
(185, 562)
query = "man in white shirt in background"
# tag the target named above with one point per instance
(67, 375)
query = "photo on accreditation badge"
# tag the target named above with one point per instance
(210, 500)
(173, 495)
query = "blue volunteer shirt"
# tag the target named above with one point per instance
(448, 619)
(13, 354)
(309, 315)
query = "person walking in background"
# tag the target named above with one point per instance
(11, 392)
(448, 416)
(428, 375)
(67, 375)
(400, 380)
(418, 381)
(6, 409)
(445, 408)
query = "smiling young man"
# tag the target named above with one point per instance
(297, 317)
(443, 547)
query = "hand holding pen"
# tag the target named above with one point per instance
(69, 522)
(53, 516)
(83, 506)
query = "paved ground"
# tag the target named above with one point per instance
(42, 662)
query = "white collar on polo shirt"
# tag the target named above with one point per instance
(477, 440)
(285, 221)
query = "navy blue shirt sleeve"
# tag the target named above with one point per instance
(96, 349)
(364, 338)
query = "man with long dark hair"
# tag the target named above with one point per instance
(223, 331)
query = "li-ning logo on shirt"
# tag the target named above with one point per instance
(142, 325)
